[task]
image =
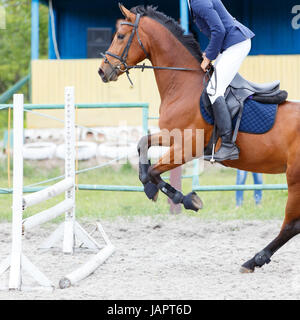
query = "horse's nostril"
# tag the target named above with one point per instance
(102, 75)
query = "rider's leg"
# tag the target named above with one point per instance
(241, 177)
(226, 67)
(258, 179)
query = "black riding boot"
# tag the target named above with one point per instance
(228, 150)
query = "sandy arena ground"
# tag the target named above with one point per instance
(176, 257)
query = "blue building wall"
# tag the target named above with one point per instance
(74, 17)
(270, 20)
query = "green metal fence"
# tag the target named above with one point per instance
(15, 88)
(145, 117)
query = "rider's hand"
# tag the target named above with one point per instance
(205, 63)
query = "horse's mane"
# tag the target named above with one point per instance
(187, 40)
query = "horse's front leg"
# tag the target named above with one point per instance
(150, 176)
(158, 139)
(190, 201)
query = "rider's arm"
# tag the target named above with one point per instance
(205, 10)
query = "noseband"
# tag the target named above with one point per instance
(123, 57)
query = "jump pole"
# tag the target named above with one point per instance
(91, 265)
(70, 230)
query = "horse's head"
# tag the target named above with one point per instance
(126, 49)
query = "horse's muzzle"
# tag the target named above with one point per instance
(108, 74)
(102, 75)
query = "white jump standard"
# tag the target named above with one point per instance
(69, 231)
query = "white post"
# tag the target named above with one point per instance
(17, 214)
(69, 230)
(69, 235)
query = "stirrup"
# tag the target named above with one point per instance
(211, 158)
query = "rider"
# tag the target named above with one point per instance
(230, 43)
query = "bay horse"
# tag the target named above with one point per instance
(176, 58)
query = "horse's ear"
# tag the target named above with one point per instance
(126, 13)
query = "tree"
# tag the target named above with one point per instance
(15, 46)
(15, 41)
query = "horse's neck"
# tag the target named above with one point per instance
(167, 51)
(176, 87)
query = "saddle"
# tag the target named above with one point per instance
(253, 107)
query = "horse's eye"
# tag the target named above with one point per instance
(121, 36)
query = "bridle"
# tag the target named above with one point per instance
(123, 57)
(123, 66)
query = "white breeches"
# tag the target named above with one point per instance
(227, 66)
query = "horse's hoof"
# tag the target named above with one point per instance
(151, 191)
(246, 270)
(192, 202)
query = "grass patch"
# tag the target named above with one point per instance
(109, 205)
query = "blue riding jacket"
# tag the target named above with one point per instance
(223, 30)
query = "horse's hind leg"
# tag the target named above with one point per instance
(290, 227)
